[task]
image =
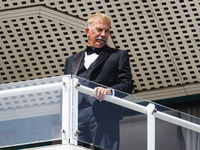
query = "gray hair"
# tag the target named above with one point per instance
(98, 16)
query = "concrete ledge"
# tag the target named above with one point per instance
(59, 147)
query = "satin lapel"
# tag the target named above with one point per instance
(102, 57)
(77, 61)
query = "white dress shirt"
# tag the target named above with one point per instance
(89, 59)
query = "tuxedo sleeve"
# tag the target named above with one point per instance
(68, 66)
(124, 76)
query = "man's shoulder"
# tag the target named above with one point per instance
(118, 51)
(115, 50)
(75, 54)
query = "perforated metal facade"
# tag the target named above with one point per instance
(162, 38)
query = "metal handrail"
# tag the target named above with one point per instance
(143, 109)
(30, 89)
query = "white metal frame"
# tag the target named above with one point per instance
(69, 110)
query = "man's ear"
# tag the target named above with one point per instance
(87, 30)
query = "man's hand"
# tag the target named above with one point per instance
(101, 93)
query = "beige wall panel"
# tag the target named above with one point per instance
(192, 89)
(162, 93)
(36, 47)
(189, 68)
(162, 38)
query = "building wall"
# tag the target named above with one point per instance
(162, 38)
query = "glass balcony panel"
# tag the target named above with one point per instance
(175, 137)
(133, 124)
(30, 116)
(133, 130)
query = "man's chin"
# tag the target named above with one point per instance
(97, 45)
(100, 45)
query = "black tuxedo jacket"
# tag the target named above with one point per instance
(111, 69)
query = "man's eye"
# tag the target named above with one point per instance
(99, 30)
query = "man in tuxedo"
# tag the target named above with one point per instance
(98, 120)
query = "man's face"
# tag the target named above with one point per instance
(98, 33)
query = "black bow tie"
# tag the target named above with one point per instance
(91, 50)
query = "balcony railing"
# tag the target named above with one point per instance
(46, 110)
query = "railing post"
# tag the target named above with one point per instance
(69, 110)
(74, 112)
(150, 127)
(66, 96)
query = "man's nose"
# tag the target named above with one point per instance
(103, 33)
